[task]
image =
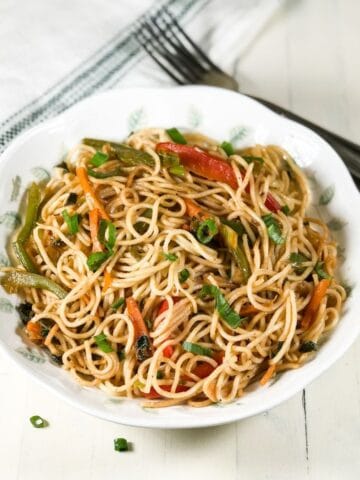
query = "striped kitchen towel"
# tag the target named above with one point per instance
(60, 52)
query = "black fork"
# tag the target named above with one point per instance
(186, 63)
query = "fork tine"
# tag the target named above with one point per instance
(155, 40)
(144, 43)
(174, 23)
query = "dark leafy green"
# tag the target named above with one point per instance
(96, 259)
(321, 272)
(121, 445)
(308, 347)
(119, 303)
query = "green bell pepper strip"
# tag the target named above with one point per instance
(16, 279)
(31, 215)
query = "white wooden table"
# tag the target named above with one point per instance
(307, 58)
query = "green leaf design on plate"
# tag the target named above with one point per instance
(41, 174)
(16, 185)
(347, 287)
(6, 306)
(4, 261)
(10, 220)
(340, 252)
(150, 410)
(194, 117)
(30, 354)
(327, 195)
(237, 134)
(136, 119)
(335, 224)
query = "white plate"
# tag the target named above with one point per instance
(223, 115)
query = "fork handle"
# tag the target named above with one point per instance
(348, 151)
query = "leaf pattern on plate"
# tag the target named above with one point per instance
(194, 118)
(30, 354)
(340, 252)
(136, 119)
(41, 174)
(16, 185)
(335, 224)
(150, 410)
(6, 306)
(327, 195)
(10, 219)
(237, 134)
(4, 261)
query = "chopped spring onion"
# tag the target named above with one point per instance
(99, 159)
(159, 375)
(108, 227)
(308, 347)
(103, 343)
(178, 170)
(38, 422)
(273, 228)
(236, 225)
(96, 259)
(170, 256)
(110, 173)
(285, 209)
(184, 275)
(72, 199)
(118, 303)
(206, 230)
(321, 272)
(297, 258)
(197, 349)
(72, 221)
(121, 445)
(232, 318)
(176, 136)
(228, 148)
(252, 158)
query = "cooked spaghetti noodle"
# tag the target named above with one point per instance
(176, 280)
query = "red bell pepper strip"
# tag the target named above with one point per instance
(201, 163)
(154, 395)
(272, 204)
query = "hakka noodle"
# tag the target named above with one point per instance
(173, 268)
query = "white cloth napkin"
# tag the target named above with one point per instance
(56, 53)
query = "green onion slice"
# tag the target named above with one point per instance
(103, 343)
(232, 318)
(108, 227)
(228, 148)
(184, 275)
(38, 422)
(72, 222)
(96, 259)
(286, 210)
(121, 445)
(298, 258)
(119, 303)
(178, 170)
(321, 272)
(236, 225)
(273, 228)
(176, 136)
(170, 256)
(99, 159)
(197, 349)
(252, 158)
(206, 230)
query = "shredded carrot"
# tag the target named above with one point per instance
(314, 304)
(267, 375)
(89, 190)
(248, 310)
(192, 209)
(33, 329)
(136, 317)
(94, 217)
(107, 280)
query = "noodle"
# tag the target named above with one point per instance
(145, 264)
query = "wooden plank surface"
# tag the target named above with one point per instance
(306, 59)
